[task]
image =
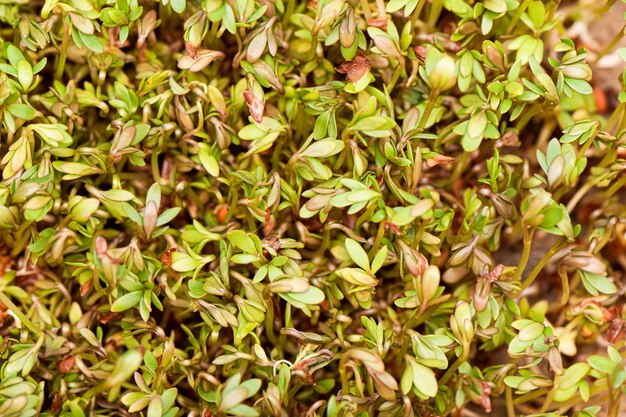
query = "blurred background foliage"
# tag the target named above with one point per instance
(326, 208)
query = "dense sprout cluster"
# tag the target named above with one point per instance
(325, 208)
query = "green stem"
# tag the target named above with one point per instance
(345, 382)
(526, 118)
(22, 240)
(214, 28)
(551, 394)
(614, 403)
(580, 193)
(365, 217)
(530, 396)
(379, 237)
(510, 406)
(564, 286)
(269, 321)
(618, 37)
(454, 366)
(600, 387)
(435, 11)
(561, 411)
(287, 323)
(459, 168)
(546, 258)
(617, 116)
(615, 187)
(395, 76)
(430, 105)
(416, 13)
(156, 174)
(18, 313)
(614, 407)
(366, 9)
(528, 242)
(313, 50)
(381, 8)
(518, 14)
(291, 4)
(58, 74)
(588, 143)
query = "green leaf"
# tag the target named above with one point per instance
(155, 409)
(323, 148)
(312, 296)
(168, 216)
(126, 301)
(395, 5)
(126, 365)
(14, 55)
(424, 379)
(358, 255)
(595, 283)
(573, 375)
(601, 364)
(379, 259)
(22, 111)
(210, 163)
(240, 239)
(154, 194)
(113, 17)
(92, 42)
(537, 13)
(25, 74)
(178, 5)
(580, 86)
(181, 262)
(243, 410)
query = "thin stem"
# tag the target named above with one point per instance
(345, 382)
(617, 116)
(416, 13)
(588, 143)
(396, 76)
(551, 394)
(313, 50)
(454, 367)
(561, 411)
(530, 396)
(546, 258)
(518, 14)
(526, 118)
(460, 167)
(381, 9)
(22, 241)
(528, 241)
(18, 313)
(564, 286)
(510, 406)
(430, 105)
(614, 403)
(156, 174)
(618, 37)
(600, 387)
(58, 74)
(615, 407)
(580, 193)
(380, 234)
(291, 4)
(435, 11)
(269, 321)
(366, 9)
(615, 187)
